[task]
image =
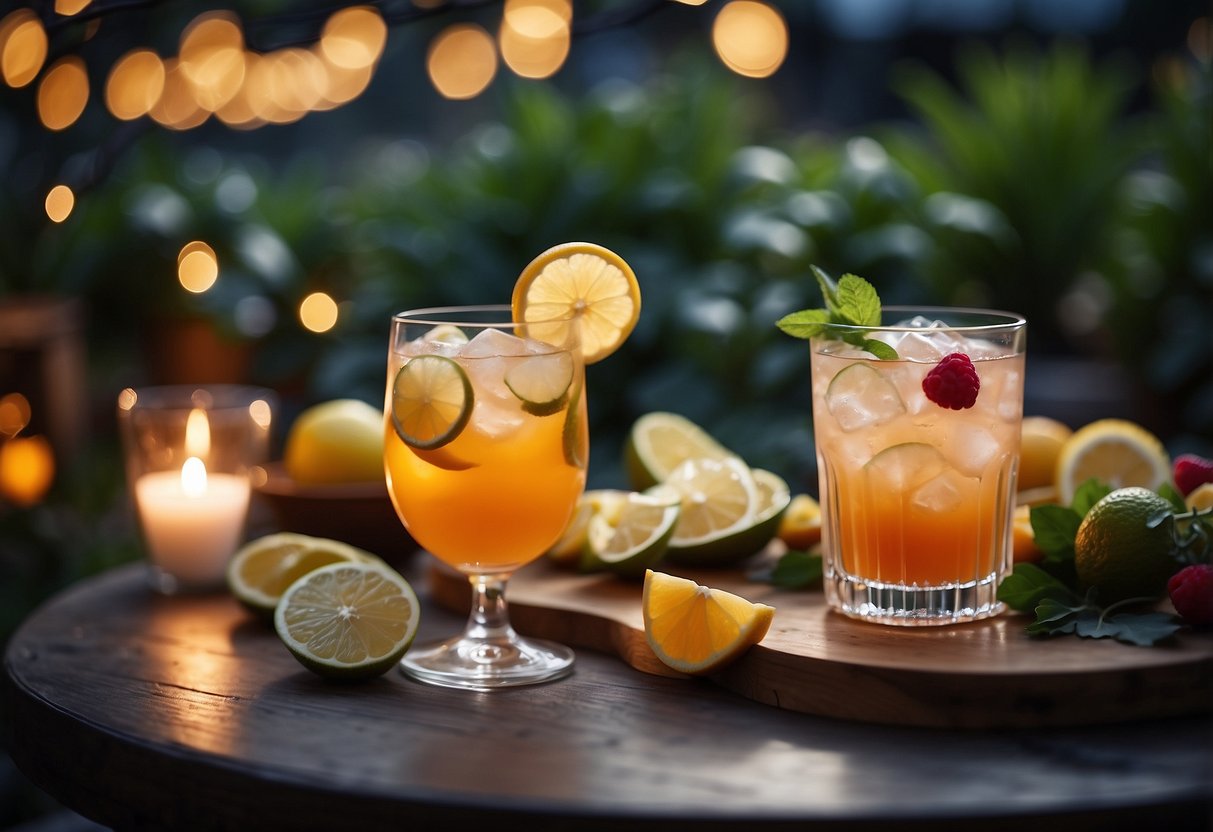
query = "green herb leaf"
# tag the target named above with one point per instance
(1088, 494)
(1054, 528)
(1028, 585)
(796, 569)
(1143, 629)
(1171, 494)
(852, 301)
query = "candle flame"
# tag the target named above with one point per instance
(197, 434)
(193, 477)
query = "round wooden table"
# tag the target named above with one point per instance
(144, 712)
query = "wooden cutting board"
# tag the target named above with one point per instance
(987, 674)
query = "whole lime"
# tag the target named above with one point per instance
(1116, 550)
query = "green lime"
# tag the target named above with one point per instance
(348, 621)
(541, 382)
(575, 434)
(636, 537)
(568, 549)
(431, 401)
(659, 442)
(771, 501)
(906, 466)
(1119, 553)
(860, 396)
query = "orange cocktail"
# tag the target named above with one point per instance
(917, 459)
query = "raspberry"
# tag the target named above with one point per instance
(1191, 590)
(1190, 472)
(953, 382)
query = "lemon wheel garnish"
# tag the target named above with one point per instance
(542, 382)
(697, 629)
(262, 569)
(431, 401)
(580, 285)
(1114, 451)
(348, 620)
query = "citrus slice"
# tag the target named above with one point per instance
(771, 499)
(635, 536)
(696, 629)
(659, 442)
(541, 382)
(906, 466)
(431, 401)
(575, 433)
(1200, 499)
(1040, 445)
(348, 620)
(800, 526)
(860, 396)
(1114, 451)
(720, 500)
(262, 569)
(569, 548)
(580, 285)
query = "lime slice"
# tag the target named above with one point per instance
(568, 549)
(906, 466)
(542, 382)
(659, 442)
(262, 569)
(719, 499)
(772, 500)
(348, 620)
(575, 435)
(860, 396)
(636, 537)
(431, 401)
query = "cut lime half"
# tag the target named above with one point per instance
(771, 502)
(635, 535)
(431, 401)
(348, 621)
(660, 441)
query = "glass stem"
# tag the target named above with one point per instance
(490, 617)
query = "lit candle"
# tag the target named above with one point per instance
(192, 520)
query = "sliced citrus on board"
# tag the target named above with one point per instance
(635, 534)
(569, 547)
(580, 285)
(742, 540)
(719, 501)
(431, 401)
(659, 442)
(348, 620)
(696, 629)
(262, 569)
(800, 526)
(1117, 452)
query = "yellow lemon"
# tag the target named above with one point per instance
(1040, 446)
(1114, 451)
(335, 442)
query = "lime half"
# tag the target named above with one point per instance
(431, 401)
(634, 534)
(772, 498)
(348, 621)
(659, 442)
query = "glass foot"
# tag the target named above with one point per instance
(487, 664)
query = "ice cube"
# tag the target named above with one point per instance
(945, 492)
(860, 396)
(492, 343)
(971, 447)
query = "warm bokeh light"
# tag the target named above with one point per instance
(14, 414)
(344, 83)
(67, 8)
(261, 413)
(750, 37)
(63, 93)
(535, 36)
(197, 267)
(462, 61)
(212, 59)
(177, 109)
(135, 84)
(353, 38)
(59, 203)
(318, 312)
(23, 46)
(27, 469)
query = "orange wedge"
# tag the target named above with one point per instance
(580, 285)
(696, 629)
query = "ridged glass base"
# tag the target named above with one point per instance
(913, 606)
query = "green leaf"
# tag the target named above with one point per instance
(1054, 528)
(879, 349)
(829, 289)
(1028, 585)
(1055, 617)
(858, 302)
(1087, 495)
(807, 323)
(1171, 494)
(797, 569)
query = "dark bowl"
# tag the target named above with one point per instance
(360, 513)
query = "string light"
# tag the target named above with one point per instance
(134, 84)
(63, 93)
(23, 47)
(60, 201)
(462, 61)
(750, 37)
(318, 312)
(197, 267)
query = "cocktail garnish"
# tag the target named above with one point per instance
(852, 301)
(953, 382)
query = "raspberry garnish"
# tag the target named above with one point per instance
(953, 382)
(1190, 472)
(1191, 591)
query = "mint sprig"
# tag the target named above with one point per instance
(852, 301)
(1050, 590)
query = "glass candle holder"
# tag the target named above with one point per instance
(189, 452)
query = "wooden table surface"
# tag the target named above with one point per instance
(144, 712)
